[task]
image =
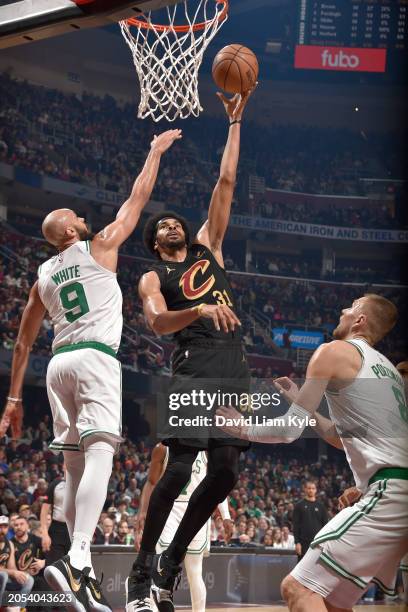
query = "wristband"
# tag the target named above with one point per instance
(199, 309)
(235, 121)
(14, 400)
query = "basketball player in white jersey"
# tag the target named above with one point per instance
(79, 290)
(353, 494)
(367, 405)
(199, 547)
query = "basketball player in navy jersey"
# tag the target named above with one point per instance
(187, 294)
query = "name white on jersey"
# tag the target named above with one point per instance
(82, 298)
(371, 416)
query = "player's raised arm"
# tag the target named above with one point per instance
(212, 232)
(32, 318)
(113, 235)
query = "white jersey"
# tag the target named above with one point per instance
(83, 298)
(198, 473)
(370, 415)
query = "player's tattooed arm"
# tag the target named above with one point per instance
(113, 235)
(31, 320)
(213, 231)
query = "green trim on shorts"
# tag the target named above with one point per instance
(385, 589)
(399, 473)
(89, 432)
(98, 346)
(403, 568)
(336, 567)
(341, 529)
(62, 446)
(189, 550)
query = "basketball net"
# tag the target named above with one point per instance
(167, 57)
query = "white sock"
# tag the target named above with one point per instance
(194, 571)
(80, 550)
(74, 466)
(90, 497)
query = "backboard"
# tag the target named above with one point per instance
(24, 21)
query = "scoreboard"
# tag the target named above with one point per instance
(353, 35)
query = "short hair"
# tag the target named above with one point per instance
(384, 315)
(150, 229)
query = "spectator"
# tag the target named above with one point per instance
(308, 518)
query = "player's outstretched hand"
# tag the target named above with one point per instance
(234, 106)
(232, 427)
(12, 417)
(287, 388)
(163, 141)
(349, 497)
(223, 317)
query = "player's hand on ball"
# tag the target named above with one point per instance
(349, 497)
(287, 388)
(163, 141)
(12, 417)
(234, 106)
(224, 318)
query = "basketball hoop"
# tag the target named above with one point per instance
(167, 57)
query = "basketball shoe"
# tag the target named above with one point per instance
(137, 587)
(64, 578)
(96, 599)
(166, 577)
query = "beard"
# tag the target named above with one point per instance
(339, 333)
(85, 234)
(173, 245)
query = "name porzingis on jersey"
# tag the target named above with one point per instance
(66, 274)
(382, 371)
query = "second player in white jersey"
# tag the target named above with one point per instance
(78, 288)
(365, 393)
(83, 298)
(370, 416)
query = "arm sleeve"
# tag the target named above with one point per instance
(224, 509)
(295, 421)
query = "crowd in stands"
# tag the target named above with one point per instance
(261, 504)
(95, 141)
(366, 216)
(283, 301)
(353, 270)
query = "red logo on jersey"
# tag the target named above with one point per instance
(187, 280)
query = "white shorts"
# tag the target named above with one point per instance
(200, 544)
(361, 544)
(85, 395)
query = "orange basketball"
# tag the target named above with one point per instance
(235, 69)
